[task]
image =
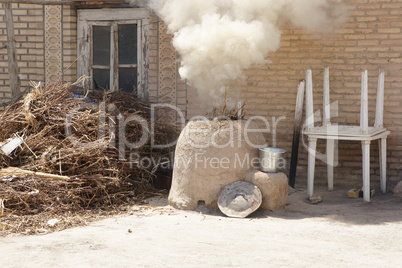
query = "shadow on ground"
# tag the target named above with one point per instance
(335, 205)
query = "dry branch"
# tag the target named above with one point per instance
(13, 171)
(98, 176)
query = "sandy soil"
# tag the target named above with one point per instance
(339, 232)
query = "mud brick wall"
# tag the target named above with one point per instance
(371, 39)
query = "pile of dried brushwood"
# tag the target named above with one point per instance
(78, 140)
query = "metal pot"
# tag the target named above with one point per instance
(270, 159)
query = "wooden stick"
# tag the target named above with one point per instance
(12, 53)
(239, 113)
(40, 2)
(61, 2)
(10, 171)
(61, 173)
(26, 145)
(1, 207)
(296, 134)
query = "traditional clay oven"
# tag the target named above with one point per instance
(210, 155)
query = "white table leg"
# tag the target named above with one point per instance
(311, 165)
(366, 170)
(330, 163)
(383, 163)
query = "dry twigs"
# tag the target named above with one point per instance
(80, 139)
(224, 112)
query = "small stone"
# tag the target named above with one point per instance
(354, 193)
(315, 199)
(273, 186)
(398, 191)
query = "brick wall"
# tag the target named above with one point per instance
(29, 34)
(30, 39)
(371, 39)
(28, 28)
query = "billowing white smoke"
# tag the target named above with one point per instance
(218, 39)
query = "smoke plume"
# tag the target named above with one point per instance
(218, 39)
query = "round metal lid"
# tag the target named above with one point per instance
(239, 199)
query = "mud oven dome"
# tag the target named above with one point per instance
(212, 154)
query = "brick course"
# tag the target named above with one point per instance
(28, 28)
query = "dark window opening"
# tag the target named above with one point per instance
(111, 71)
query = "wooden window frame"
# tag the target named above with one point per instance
(113, 17)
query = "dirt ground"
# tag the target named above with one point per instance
(339, 232)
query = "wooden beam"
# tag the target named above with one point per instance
(14, 171)
(74, 2)
(39, 2)
(12, 53)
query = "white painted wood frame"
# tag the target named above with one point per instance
(309, 100)
(379, 113)
(87, 18)
(364, 103)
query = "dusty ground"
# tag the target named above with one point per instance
(339, 232)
